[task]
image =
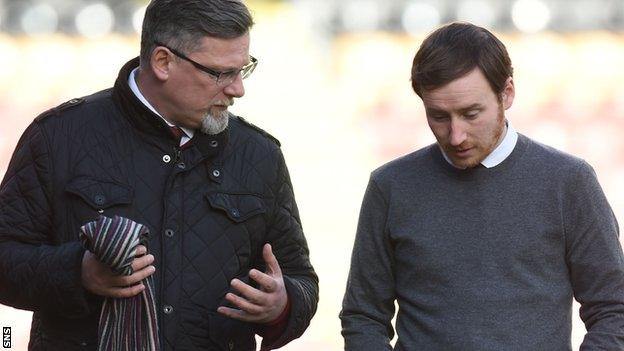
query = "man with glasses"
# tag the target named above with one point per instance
(225, 257)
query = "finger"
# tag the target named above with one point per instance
(140, 250)
(273, 267)
(249, 292)
(126, 280)
(126, 292)
(243, 304)
(237, 314)
(267, 282)
(142, 262)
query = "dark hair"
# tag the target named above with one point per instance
(181, 24)
(453, 50)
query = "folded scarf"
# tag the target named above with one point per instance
(126, 324)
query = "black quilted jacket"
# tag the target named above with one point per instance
(209, 207)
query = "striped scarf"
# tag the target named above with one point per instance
(127, 324)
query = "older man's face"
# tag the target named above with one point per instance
(192, 98)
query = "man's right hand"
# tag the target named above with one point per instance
(100, 279)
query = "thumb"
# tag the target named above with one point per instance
(272, 265)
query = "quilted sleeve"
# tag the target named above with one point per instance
(291, 249)
(35, 272)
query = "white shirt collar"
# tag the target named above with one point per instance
(501, 152)
(135, 89)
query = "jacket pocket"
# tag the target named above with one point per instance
(100, 194)
(231, 334)
(238, 207)
(87, 198)
(241, 226)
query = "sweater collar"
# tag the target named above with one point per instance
(146, 121)
(480, 173)
(500, 153)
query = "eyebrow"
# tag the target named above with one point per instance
(226, 69)
(475, 106)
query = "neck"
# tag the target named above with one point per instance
(501, 136)
(149, 86)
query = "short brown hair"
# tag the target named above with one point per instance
(453, 50)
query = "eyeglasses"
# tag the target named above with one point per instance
(222, 78)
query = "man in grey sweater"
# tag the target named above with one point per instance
(484, 238)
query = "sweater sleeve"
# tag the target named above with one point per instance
(36, 273)
(595, 261)
(368, 304)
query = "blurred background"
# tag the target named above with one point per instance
(333, 85)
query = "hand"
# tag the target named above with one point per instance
(262, 305)
(100, 279)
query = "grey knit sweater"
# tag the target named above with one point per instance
(485, 259)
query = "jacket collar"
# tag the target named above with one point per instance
(146, 121)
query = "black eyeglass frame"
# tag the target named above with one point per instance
(219, 76)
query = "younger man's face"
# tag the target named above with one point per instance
(467, 117)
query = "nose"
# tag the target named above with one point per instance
(236, 88)
(457, 133)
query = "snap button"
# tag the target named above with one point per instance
(84, 343)
(235, 213)
(214, 143)
(216, 173)
(169, 232)
(166, 158)
(181, 165)
(99, 199)
(168, 309)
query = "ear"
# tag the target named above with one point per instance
(160, 63)
(508, 93)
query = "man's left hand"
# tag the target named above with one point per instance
(262, 305)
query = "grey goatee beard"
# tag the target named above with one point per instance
(215, 124)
